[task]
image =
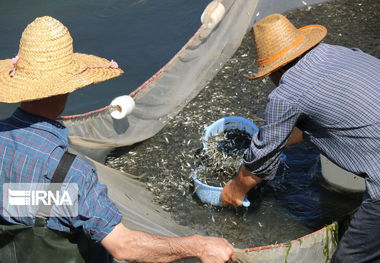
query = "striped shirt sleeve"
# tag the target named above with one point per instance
(97, 215)
(263, 156)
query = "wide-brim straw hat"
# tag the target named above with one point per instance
(47, 66)
(278, 42)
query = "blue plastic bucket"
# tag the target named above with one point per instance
(229, 123)
(212, 194)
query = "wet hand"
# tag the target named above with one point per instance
(236, 189)
(231, 194)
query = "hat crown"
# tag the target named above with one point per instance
(46, 65)
(46, 47)
(273, 34)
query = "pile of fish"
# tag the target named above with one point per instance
(221, 157)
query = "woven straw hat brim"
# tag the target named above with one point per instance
(24, 87)
(313, 34)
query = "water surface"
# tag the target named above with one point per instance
(141, 35)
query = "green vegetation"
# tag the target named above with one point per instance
(287, 251)
(332, 231)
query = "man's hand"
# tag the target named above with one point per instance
(215, 250)
(236, 189)
(232, 195)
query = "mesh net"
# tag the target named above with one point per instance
(316, 247)
(165, 94)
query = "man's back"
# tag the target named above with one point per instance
(30, 150)
(337, 92)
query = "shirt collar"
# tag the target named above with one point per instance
(42, 123)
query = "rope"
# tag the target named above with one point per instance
(110, 107)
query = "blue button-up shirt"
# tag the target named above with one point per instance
(30, 150)
(333, 95)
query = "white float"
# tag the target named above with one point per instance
(126, 106)
(213, 14)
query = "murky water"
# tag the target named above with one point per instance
(296, 202)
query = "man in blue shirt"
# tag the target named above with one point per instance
(327, 95)
(32, 144)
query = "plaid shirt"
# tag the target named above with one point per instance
(332, 94)
(30, 149)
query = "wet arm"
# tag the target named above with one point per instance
(236, 189)
(261, 159)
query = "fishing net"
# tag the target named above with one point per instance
(317, 247)
(95, 134)
(168, 91)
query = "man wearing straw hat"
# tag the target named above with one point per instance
(327, 95)
(33, 150)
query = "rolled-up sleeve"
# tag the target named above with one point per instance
(263, 156)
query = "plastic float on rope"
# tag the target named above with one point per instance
(122, 106)
(212, 194)
(211, 17)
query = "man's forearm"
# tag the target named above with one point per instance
(295, 137)
(144, 247)
(137, 246)
(248, 179)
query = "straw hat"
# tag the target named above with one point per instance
(46, 65)
(279, 42)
